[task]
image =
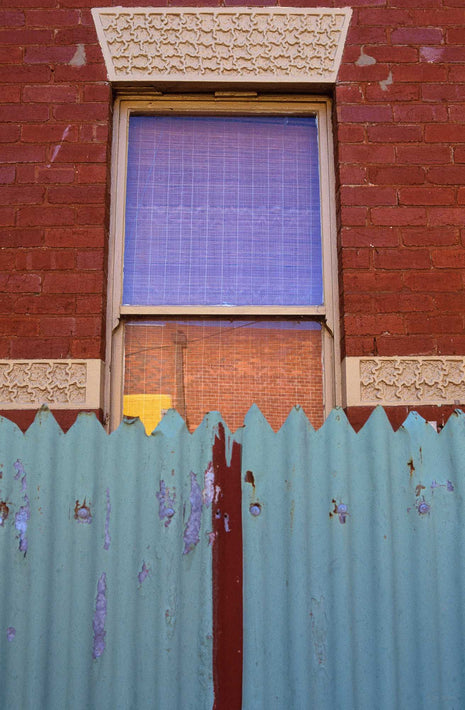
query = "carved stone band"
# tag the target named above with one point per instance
(286, 45)
(404, 380)
(61, 384)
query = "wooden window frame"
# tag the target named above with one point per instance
(220, 103)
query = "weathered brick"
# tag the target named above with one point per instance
(367, 154)
(27, 73)
(7, 217)
(52, 18)
(423, 154)
(21, 195)
(45, 259)
(444, 133)
(92, 174)
(17, 326)
(55, 93)
(448, 258)
(364, 113)
(84, 282)
(400, 216)
(394, 133)
(41, 303)
(426, 196)
(45, 216)
(11, 55)
(426, 323)
(75, 237)
(81, 153)
(97, 92)
(374, 324)
(91, 260)
(29, 112)
(417, 35)
(446, 175)
(57, 325)
(355, 259)
(91, 111)
(402, 302)
(440, 216)
(368, 195)
(420, 113)
(49, 133)
(22, 237)
(7, 174)
(11, 18)
(40, 348)
(89, 304)
(87, 348)
(369, 237)
(48, 55)
(386, 90)
(403, 259)
(76, 194)
(20, 283)
(427, 282)
(9, 133)
(441, 236)
(53, 175)
(373, 281)
(393, 175)
(22, 153)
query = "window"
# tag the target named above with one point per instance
(223, 292)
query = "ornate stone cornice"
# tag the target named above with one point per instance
(404, 380)
(286, 45)
(61, 384)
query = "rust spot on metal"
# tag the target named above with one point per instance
(419, 489)
(82, 512)
(249, 478)
(341, 510)
(411, 466)
(4, 512)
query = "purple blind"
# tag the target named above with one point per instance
(221, 211)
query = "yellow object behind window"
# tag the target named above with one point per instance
(148, 407)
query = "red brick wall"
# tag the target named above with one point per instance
(227, 369)
(400, 128)
(400, 165)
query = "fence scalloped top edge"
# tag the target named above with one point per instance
(173, 424)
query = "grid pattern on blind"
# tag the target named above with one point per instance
(222, 211)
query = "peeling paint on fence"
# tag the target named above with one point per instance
(361, 608)
(84, 611)
(100, 614)
(345, 564)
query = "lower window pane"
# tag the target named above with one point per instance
(197, 366)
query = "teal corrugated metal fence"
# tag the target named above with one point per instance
(105, 561)
(353, 565)
(354, 571)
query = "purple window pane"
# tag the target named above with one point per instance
(222, 211)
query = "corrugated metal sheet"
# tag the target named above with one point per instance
(106, 595)
(352, 560)
(353, 565)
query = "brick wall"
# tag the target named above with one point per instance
(400, 166)
(227, 367)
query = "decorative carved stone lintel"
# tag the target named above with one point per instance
(279, 44)
(407, 380)
(60, 384)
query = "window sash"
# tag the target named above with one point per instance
(222, 103)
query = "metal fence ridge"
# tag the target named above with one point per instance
(172, 423)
